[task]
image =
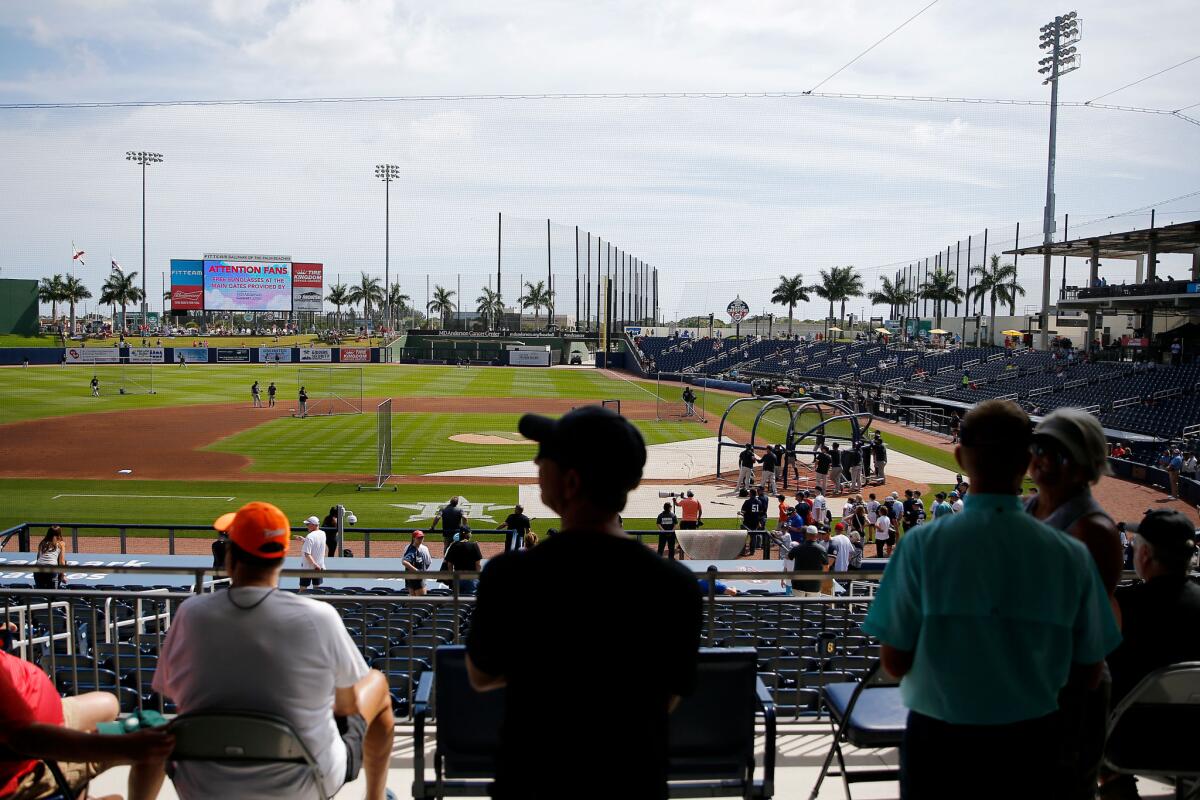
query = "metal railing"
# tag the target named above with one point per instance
(122, 532)
(801, 639)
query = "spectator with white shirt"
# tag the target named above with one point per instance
(312, 552)
(956, 503)
(883, 536)
(255, 648)
(840, 548)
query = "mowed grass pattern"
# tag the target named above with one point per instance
(56, 391)
(420, 443)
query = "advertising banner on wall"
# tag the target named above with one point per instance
(187, 285)
(308, 286)
(529, 358)
(145, 355)
(233, 355)
(274, 355)
(191, 355)
(316, 354)
(354, 355)
(93, 355)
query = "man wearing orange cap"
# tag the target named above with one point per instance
(278, 653)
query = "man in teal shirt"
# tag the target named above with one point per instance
(986, 615)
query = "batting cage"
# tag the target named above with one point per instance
(676, 400)
(383, 446)
(136, 379)
(331, 389)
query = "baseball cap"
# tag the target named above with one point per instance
(1166, 528)
(312, 521)
(260, 529)
(595, 441)
(1080, 435)
(418, 534)
(841, 526)
(810, 530)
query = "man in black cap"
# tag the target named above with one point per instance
(1160, 618)
(567, 668)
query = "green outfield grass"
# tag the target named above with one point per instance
(200, 502)
(55, 391)
(420, 442)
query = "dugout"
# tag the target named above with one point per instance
(806, 423)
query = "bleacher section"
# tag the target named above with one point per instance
(112, 643)
(1152, 400)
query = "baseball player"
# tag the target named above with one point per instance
(256, 395)
(303, 402)
(95, 386)
(271, 395)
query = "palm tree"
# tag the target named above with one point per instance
(537, 297)
(941, 286)
(368, 292)
(789, 292)
(839, 284)
(895, 296)
(339, 295)
(490, 306)
(443, 304)
(398, 301)
(50, 290)
(995, 282)
(73, 292)
(120, 290)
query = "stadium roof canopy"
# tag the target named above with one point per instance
(1183, 237)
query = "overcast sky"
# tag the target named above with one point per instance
(721, 194)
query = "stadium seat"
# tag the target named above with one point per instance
(867, 713)
(711, 737)
(1140, 741)
(245, 737)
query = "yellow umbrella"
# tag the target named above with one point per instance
(938, 332)
(883, 331)
(1012, 333)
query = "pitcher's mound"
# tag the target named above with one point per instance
(490, 438)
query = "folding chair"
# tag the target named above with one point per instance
(866, 714)
(1140, 738)
(242, 737)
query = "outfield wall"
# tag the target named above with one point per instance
(12, 356)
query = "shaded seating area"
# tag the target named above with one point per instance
(712, 733)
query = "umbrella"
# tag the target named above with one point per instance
(1012, 333)
(938, 332)
(884, 331)
(835, 328)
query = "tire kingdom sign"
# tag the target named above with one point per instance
(737, 309)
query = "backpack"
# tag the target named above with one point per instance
(856, 556)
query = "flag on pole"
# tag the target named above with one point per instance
(77, 255)
(116, 267)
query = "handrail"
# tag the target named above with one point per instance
(23, 642)
(1125, 401)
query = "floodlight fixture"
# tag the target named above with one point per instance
(143, 158)
(387, 173)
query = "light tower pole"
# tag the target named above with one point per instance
(1058, 37)
(387, 173)
(143, 158)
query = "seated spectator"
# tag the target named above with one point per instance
(278, 653)
(719, 587)
(1160, 617)
(37, 725)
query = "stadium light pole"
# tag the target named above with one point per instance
(1059, 37)
(143, 158)
(387, 173)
